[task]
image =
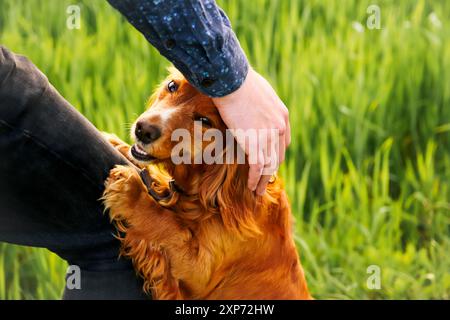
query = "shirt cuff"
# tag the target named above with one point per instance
(223, 75)
(196, 36)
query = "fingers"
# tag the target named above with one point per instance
(272, 162)
(255, 172)
(284, 142)
(273, 154)
(254, 175)
(281, 149)
(262, 185)
(288, 131)
(288, 135)
(271, 150)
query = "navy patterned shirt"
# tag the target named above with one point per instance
(196, 36)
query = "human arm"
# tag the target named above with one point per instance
(196, 36)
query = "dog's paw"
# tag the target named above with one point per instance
(113, 139)
(122, 181)
(122, 190)
(122, 147)
(118, 178)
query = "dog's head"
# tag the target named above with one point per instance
(176, 113)
(177, 110)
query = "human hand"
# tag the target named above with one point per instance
(256, 106)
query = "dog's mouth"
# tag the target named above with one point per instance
(140, 154)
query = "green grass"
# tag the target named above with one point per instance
(368, 171)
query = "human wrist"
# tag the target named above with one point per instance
(237, 95)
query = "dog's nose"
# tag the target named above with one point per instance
(147, 133)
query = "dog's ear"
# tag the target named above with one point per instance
(174, 72)
(224, 190)
(152, 99)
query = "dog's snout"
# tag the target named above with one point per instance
(147, 133)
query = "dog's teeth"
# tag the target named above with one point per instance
(140, 151)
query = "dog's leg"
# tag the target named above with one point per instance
(113, 139)
(122, 147)
(152, 235)
(153, 265)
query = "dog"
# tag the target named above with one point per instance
(195, 231)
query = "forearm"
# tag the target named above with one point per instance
(196, 36)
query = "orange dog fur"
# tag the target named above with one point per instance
(216, 241)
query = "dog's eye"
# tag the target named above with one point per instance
(172, 86)
(204, 120)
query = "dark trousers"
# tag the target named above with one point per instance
(53, 163)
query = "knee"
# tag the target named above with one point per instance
(20, 82)
(7, 66)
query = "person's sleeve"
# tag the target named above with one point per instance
(196, 36)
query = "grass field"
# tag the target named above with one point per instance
(368, 171)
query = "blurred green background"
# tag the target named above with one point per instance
(368, 171)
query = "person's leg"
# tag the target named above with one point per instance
(53, 164)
